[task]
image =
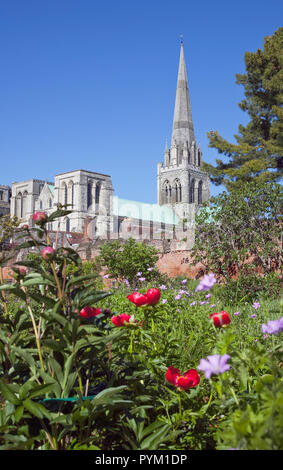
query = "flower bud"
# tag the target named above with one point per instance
(47, 253)
(39, 217)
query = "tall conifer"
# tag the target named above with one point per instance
(258, 151)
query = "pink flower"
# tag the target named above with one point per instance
(89, 312)
(220, 319)
(47, 252)
(188, 380)
(138, 299)
(121, 320)
(153, 296)
(39, 217)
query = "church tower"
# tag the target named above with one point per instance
(180, 181)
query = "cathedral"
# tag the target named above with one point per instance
(181, 187)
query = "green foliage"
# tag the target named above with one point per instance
(125, 259)
(74, 383)
(237, 241)
(257, 153)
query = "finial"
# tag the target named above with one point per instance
(181, 37)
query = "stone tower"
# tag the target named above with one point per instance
(180, 181)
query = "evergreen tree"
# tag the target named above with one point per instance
(258, 151)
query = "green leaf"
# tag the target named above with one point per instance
(35, 281)
(36, 409)
(57, 214)
(8, 394)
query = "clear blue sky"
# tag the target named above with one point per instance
(87, 84)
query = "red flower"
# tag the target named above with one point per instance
(89, 312)
(153, 296)
(188, 380)
(119, 320)
(220, 319)
(47, 252)
(138, 299)
(39, 217)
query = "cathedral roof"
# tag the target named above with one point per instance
(144, 211)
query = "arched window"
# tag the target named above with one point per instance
(89, 195)
(50, 203)
(200, 192)
(40, 204)
(18, 205)
(24, 204)
(67, 224)
(71, 193)
(198, 157)
(64, 194)
(192, 192)
(97, 196)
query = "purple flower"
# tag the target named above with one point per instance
(163, 287)
(164, 301)
(253, 315)
(208, 296)
(273, 327)
(207, 282)
(214, 365)
(202, 303)
(142, 279)
(256, 305)
(181, 291)
(193, 303)
(212, 305)
(237, 313)
(106, 276)
(149, 269)
(139, 273)
(184, 281)
(177, 297)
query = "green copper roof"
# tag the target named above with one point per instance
(144, 211)
(51, 187)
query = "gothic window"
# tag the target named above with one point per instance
(71, 192)
(18, 203)
(50, 203)
(1, 195)
(24, 204)
(176, 192)
(40, 204)
(198, 157)
(189, 156)
(97, 196)
(89, 195)
(192, 192)
(167, 192)
(67, 224)
(200, 192)
(64, 193)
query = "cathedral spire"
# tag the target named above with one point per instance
(183, 129)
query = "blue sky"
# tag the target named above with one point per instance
(91, 85)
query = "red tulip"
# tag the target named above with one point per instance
(188, 380)
(39, 217)
(153, 296)
(47, 252)
(119, 320)
(138, 299)
(89, 312)
(220, 319)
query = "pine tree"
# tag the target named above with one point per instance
(258, 151)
